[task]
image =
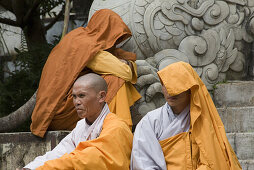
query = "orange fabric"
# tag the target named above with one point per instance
(54, 108)
(177, 152)
(126, 55)
(106, 63)
(210, 146)
(120, 104)
(121, 99)
(111, 150)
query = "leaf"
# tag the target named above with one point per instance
(17, 50)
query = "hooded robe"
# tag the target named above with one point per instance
(54, 109)
(161, 143)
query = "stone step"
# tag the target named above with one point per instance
(234, 93)
(237, 119)
(18, 149)
(27, 146)
(242, 144)
(247, 164)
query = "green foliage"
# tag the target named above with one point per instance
(22, 83)
(220, 82)
(47, 6)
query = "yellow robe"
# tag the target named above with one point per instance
(206, 145)
(106, 63)
(110, 151)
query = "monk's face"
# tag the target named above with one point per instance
(86, 101)
(180, 100)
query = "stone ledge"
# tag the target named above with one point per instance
(242, 144)
(235, 93)
(18, 149)
(247, 164)
(237, 119)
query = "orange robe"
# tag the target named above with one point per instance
(105, 63)
(54, 107)
(206, 145)
(203, 146)
(111, 150)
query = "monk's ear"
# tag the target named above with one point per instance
(102, 96)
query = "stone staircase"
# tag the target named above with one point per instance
(235, 104)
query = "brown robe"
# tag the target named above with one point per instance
(54, 107)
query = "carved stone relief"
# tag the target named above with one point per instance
(211, 35)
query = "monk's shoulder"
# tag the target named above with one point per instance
(113, 121)
(153, 115)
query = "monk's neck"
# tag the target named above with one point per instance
(91, 120)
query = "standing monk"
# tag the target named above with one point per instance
(187, 132)
(84, 50)
(99, 141)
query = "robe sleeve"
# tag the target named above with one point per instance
(106, 63)
(65, 146)
(146, 153)
(134, 72)
(111, 150)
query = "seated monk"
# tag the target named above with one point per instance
(187, 132)
(83, 50)
(100, 140)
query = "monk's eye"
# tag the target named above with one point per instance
(81, 95)
(74, 96)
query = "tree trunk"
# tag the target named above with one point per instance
(18, 117)
(34, 32)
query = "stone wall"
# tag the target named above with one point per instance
(18, 149)
(234, 101)
(235, 104)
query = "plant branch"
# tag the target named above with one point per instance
(54, 20)
(31, 10)
(6, 4)
(7, 71)
(9, 22)
(16, 118)
(66, 17)
(47, 11)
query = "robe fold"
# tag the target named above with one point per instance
(54, 109)
(124, 97)
(203, 147)
(91, 140)
(111, 150)
(156, 126)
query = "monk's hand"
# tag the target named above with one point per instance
(128, 63)
(124, 61)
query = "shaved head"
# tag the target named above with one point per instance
(93, 80)
(89, 95)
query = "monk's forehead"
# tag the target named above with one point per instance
(84, 84)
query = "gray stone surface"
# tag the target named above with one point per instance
(236, 102)
(215, 37)
(243, 145)
(18, 149)
(237, 119)
(238, 93)
(247, 164)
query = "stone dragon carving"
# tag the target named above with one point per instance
(212, 35)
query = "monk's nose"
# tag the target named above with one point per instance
(76, 102)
